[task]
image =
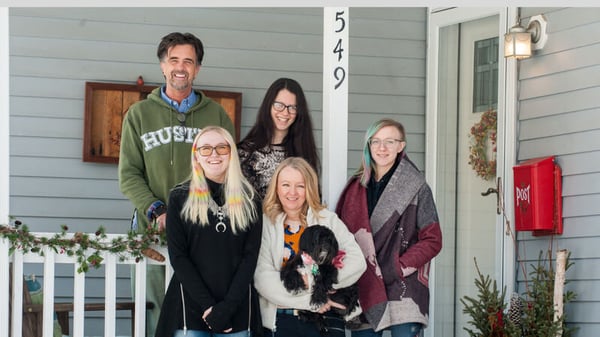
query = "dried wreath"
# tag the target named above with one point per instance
(481, 132)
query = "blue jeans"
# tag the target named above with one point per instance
(400, 330)
(200, 333)
(288, 325)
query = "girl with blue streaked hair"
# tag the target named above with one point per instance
(389, 208)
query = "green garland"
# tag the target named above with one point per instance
(81, 244)
(480, 134)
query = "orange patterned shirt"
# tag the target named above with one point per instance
(292, 232)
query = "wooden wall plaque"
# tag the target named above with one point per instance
(107, 103)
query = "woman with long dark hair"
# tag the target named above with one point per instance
(283, 129)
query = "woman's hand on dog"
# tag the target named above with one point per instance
(305, 280)
(330, 304)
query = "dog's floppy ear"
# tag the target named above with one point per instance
(309, 238)
(292, 280)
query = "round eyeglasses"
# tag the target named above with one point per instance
(387, 143)
(279, 107)
(207, 150)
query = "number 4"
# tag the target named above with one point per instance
(338, 49)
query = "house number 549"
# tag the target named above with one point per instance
(339, 73)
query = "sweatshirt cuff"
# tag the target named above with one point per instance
(155, 210)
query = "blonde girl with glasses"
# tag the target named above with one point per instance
(389, 208)
(283, 128)
(214, 225)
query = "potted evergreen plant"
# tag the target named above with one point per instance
(531, 314)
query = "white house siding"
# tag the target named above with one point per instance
(559, 114)
(387, 76)
(54, 51)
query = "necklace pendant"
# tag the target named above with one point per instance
(220, 227)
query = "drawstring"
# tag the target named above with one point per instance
(249, 306)
(183, 305)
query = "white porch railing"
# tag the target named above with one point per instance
(49, 260)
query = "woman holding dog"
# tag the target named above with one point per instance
(389, 208)
(214, 225)
(292, 203)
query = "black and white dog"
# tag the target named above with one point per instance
(319, 255)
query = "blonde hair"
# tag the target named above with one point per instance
(272, 205)
(239, 194)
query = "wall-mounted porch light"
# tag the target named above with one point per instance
(520, 42)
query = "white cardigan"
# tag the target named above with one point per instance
(272, 293)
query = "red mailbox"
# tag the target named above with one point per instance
(538, 196)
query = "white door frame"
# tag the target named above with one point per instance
(506, 141)
(4, 157)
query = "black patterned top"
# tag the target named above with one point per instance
(258, 166)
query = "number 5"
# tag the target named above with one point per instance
(339, 17)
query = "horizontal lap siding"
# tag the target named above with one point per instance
(559, 114)
(54, 51)
(387, 76)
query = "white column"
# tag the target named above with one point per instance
(4, 118)
(4, 294)
(335, 102)
(4, 314)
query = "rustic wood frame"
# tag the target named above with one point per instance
(106, 105)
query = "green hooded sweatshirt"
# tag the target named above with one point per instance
(156, 148)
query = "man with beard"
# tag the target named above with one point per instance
(156, 144)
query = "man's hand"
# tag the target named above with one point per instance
(161, 222)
